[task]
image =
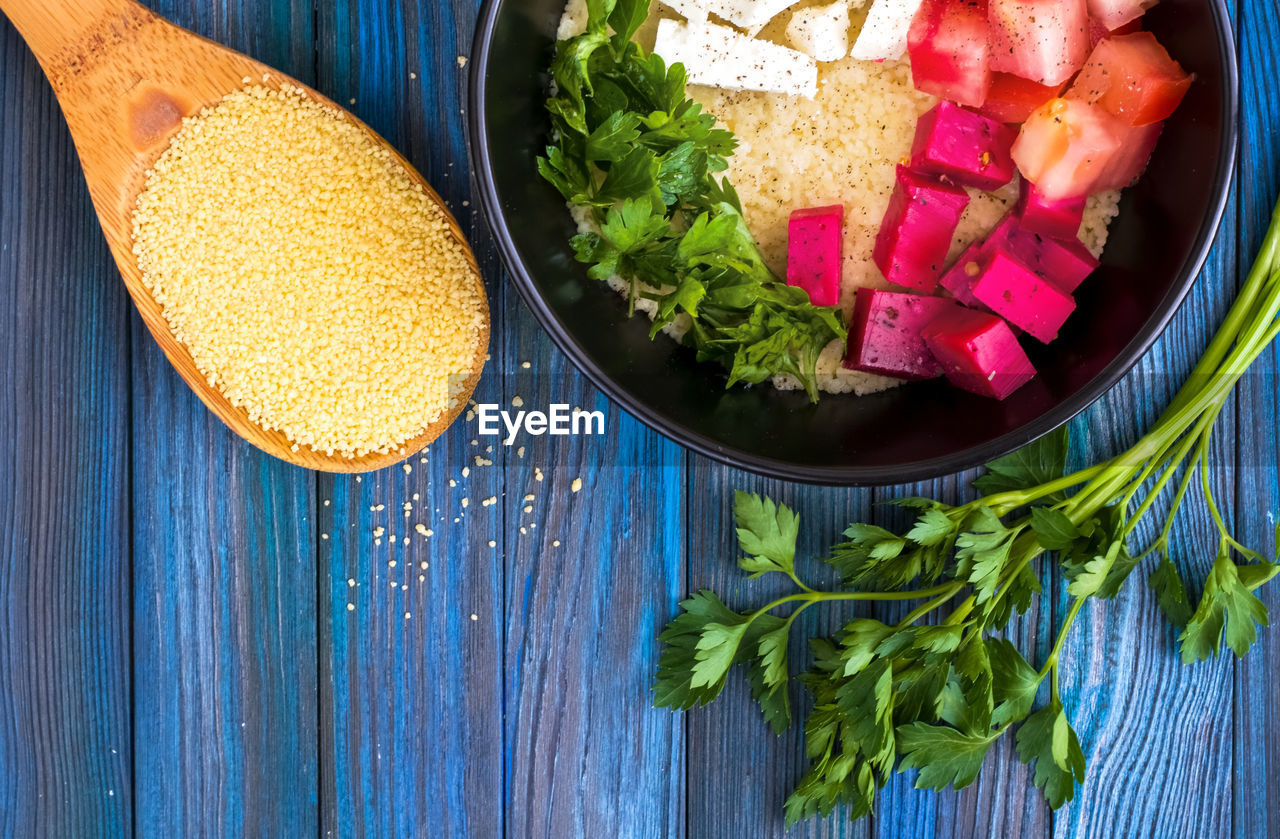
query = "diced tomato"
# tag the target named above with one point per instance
(1134, 78)
(1114, 14)
(1066, 147)
(1013, 98)
(1045, 41)
(1098, 32)
(1136, 148)
(948, 48)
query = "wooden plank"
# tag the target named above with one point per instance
(411, 677)
(65, 728)
(592, 576)
(224, 576)
(1156, 734)
(1257, 678)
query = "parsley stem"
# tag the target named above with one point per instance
(811, 597)
(1188, 443)
(1051, 663)
(950, 591)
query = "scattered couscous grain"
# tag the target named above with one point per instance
(315, 283)
(576, 486)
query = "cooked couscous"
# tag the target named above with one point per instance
(838, 148)
(315, 283)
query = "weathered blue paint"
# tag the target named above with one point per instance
(177, 656)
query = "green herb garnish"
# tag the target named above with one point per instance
(934, 690)
(632, 147)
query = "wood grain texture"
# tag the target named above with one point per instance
(224, 575)
(592, 576)
(411, 679)
(263, 706)
(65, 683)
(1256, 814)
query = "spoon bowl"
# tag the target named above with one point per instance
(125, 79)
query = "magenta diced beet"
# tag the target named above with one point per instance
(966, 148)
(979, 353)
(815, 247)
(1057, 219)
(960, 276)
(1014, 291)
(911, 248)
(886, 334)
(1064, 262)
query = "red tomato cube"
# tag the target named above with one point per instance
(1013, 98)
(1133, 78)
(947, 44)
(1114, 14)
(1045, 41)
(1066, 148)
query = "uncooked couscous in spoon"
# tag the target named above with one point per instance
(314, 282)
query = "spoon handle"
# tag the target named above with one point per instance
(68, 36)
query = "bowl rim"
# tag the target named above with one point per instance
(927, 469)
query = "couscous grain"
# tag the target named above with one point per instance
(315, 283)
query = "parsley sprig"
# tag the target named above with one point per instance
(934, 690)
(630, 146)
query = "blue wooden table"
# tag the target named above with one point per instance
(197, 640)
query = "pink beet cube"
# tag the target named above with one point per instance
(1014, 291)
(815, 249)
(1057, 219)
(915, 236)
(966, 148)
(1064, 262)
(979, 353)
(960, 276)
(886, 334)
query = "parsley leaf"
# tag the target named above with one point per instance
(1039, 463)
(945, 757)
(1171, 594)
(1228, 611)
(1015, 683)
(683, 674)
(630, 146)
(1048, 740)
(768, 673)
(767, 532)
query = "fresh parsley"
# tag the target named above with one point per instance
(630, 147)
(935, 690)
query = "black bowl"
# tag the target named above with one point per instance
(1157, 247)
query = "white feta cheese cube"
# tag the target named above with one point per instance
(719, 56)
(821, 32)
(884, 35)
(695, 11)
(750, 15)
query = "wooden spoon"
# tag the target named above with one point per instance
(125, 78)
